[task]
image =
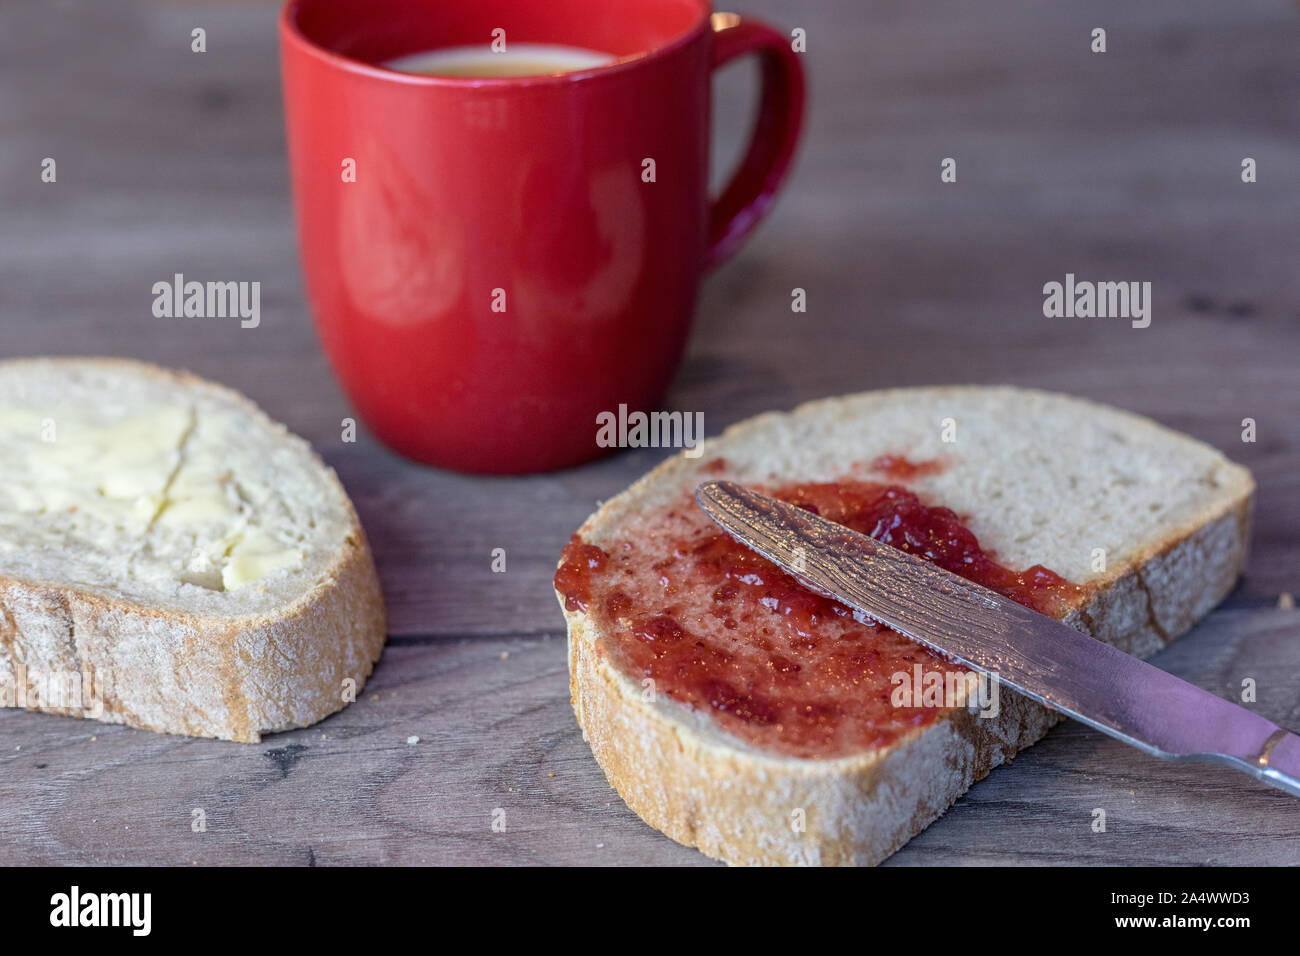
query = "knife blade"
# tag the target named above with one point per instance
(1029, 652)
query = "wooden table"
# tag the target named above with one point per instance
(1123, 165)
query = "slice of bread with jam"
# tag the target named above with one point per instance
(739, 713)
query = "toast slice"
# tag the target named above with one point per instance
(1124, 529)
(172, 559)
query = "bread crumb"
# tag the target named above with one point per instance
(412, 740)
(505, 655)
(552, 775)
(1285, 601)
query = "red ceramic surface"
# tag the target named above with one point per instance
(499, 272)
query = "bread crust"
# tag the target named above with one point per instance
(230, 677)
(684, 776)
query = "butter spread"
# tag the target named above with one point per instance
(149, 481)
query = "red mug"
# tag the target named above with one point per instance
(493, 262)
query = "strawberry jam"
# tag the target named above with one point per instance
(901, 469)
(723, 630)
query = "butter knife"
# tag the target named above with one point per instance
(1029, 652)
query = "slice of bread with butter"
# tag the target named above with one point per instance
(172, 559)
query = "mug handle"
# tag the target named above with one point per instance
(752, 190)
